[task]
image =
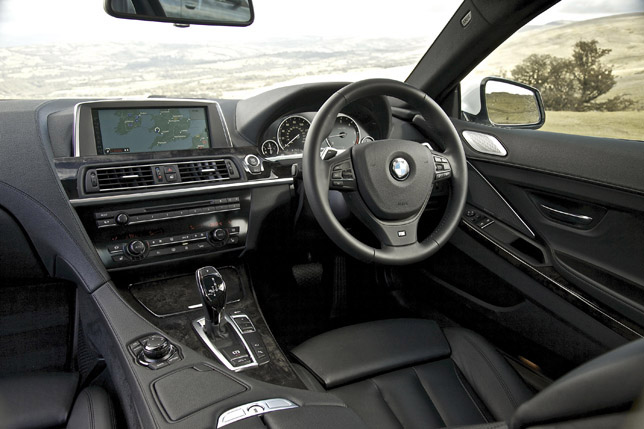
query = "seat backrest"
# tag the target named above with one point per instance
(605, 387)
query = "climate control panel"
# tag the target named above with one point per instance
(144, 233)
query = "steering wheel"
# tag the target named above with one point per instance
(386, 183)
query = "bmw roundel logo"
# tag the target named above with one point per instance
(399, 169)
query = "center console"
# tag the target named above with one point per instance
(161, 191)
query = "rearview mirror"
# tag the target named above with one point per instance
(204, 12)
(505, 103)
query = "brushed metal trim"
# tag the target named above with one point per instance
(492, 145)
(251, 409)
(81, 202)
(198, 326)
(585, 220)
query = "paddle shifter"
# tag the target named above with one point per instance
(212, 289)
(231, 336)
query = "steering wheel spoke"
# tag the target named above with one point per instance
(341, 173)
(443, 168)
(396, 235)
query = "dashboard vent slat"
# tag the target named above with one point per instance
(127, 177)
(203, 171)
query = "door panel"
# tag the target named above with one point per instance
(583, 198)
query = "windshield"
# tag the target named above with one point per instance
(59, 49)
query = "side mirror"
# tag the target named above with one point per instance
(505, 103)
(185, 12)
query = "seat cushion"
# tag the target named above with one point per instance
(92, 409)
(355, 352)
(46, 400)
(37, 400)
(436, 379)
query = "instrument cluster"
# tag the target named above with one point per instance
(286, 136)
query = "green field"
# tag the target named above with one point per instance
(623, 125)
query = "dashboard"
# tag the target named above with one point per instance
(155, 181)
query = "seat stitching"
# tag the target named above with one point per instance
(429, 396)
(112, 415)
(506, 389)
(385, 401)
(458, 377)
(91, 408)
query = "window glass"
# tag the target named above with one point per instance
(587, 60)
(54, 49)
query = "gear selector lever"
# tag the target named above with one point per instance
(212, 289)
(230, 336)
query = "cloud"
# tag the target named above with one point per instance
(604, 7)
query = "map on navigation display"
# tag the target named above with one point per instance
(151, 129)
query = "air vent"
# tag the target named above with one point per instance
(203, 171)
(126, 177)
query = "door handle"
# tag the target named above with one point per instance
(570, 218)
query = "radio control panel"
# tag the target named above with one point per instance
(140, 233)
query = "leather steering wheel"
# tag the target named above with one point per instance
(386, 183)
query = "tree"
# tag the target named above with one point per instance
(572, 83)
(591, 77)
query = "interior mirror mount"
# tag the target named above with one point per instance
(504, 103)
(237, 13)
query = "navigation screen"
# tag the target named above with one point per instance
(119, 131)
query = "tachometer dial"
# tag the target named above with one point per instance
(345, 133)
(292, 132)
(270, 148)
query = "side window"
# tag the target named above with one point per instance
(587, 61)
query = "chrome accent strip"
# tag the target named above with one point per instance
(484, 143)
(282, 157)
(131, 176)
(223, 122)
(77, 107)
(427, 145)
(253, 409)
(159, 185)
(179, 241)
(562, 287)
(584, 219)
(77, 128)
(80, 202)
(502, 199)
(198, 326)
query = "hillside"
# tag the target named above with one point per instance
(624, 34)
(197, 70)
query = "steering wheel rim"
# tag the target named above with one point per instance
(317, 174)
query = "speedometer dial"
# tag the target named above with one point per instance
(345, 133)
(292, 132)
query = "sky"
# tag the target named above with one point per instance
(24, 22)
(86, 20)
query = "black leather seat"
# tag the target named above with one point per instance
(409, 373)
(49, 400)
